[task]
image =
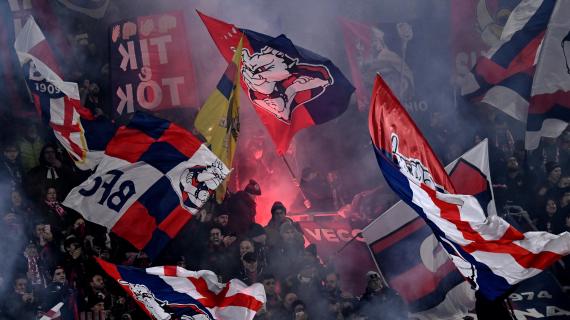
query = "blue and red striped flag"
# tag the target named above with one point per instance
(487, 250)
(525, 75)
(153, 177)
(290, 87)
(171, 292)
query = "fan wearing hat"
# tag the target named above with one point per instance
(242, 207)
(278, 217)
(553, 174)
(381, 302)
(250, 270)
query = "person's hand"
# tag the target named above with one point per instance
(28, 297)
(228, 240)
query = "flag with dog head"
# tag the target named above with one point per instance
(153, 177)
(487, 250)
(291, 88)
(171, 292)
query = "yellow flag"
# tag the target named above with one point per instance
(218, 120)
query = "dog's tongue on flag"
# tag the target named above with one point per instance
(82, 135)
(491, 253)
(153, 177)
(171, 292)
(290, 87)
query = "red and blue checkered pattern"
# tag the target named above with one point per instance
(135, 192)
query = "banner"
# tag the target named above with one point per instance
(150, 64)
(341, 244)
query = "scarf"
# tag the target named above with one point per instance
(56, 206)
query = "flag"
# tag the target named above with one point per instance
(174, 292)
(486, 250)
(410, 257)
(291, 88)
(503, 77)
(526, 74)
(218, 120)
(153, 177)
(53, 313)
(82, 135)
(549, 109)
(365, 59)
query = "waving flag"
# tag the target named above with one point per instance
(549, 110)
(526, 74)
(487, 250)
(153, 177)
(218, 120)
(503, 77)
(427, 278)
(82, 135)
(290, 87)
(167, 292)
(53, 313)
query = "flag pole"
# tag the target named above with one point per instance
(306, 202)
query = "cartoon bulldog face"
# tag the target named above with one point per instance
(199, 182)
(262, 70)
(274, 79)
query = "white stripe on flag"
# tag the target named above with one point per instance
(508, 101)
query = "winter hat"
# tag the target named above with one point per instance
(276, 206)
(550, 166)
(253, 188)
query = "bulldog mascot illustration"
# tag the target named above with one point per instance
(278, 83)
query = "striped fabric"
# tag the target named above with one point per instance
(503, 77)
(487, 250)
(82, 135)
(53, 313)
(174, 292)
(154, 176)
(549, 110)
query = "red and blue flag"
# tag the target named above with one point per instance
(290, 87)
(57, 102)
(487, 250)
(153, 177)
(171, 292)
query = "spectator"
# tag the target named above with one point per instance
(278, 217)
(30, 146)
(243, 208)
(259, 237)
(549, 218)
(11, 169)
(299, 311)
(273, 299)
(250, 271)
(380, 302)
(60, 291)
(51, 171)
(21, 303)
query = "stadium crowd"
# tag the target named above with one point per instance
(48, 249)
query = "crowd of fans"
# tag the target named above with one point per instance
(49, 250)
